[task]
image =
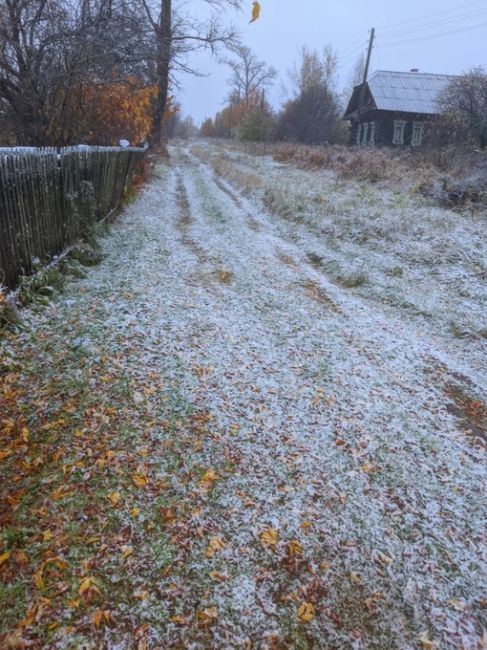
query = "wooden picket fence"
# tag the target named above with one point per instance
(48, 197)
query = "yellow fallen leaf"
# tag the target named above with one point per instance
(294, 548)
(114, 498)
(306, 526)
(46, 535)
(368, 468)
(269, 537)
(4, 557)
(427, 643)
(306, 612)
(141, 594)
(127, 551)
(85, 584)
(140, 480)
(207, 480)
(38, 581)
(25, 434)
(58, 561)
(73, 603)
(215, 544)
(134, 512)
(101, 616)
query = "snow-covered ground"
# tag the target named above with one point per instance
(340, 503)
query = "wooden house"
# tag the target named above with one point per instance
(394, 108)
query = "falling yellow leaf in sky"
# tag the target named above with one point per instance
(269, 537)
(255, 12)
(306, 612)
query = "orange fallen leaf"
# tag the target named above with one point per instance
(219, 577)
(207, 480)
(101, 616)
(306, 612)
(180, 620)
(215, 544)
(140, 480)
(168, 515)
(208, 616)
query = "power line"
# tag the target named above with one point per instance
(432, 15)
(433, 36)
(437, 23)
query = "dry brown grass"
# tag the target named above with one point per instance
(449, 177)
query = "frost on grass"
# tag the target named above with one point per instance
(261, 454)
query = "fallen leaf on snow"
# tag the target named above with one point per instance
(427, 643)
(140, 480)
(208, 616)
(306, 612)
(4, 557)
(215, 544)
(114, 498)
(269, 537)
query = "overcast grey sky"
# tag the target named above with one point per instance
(286, 25)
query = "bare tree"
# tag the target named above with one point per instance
(464, 104)
(176, 34)
(50, 48)
(250, 76)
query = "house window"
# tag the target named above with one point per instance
(359, 133)
(365, 132)
(399, 126)
(372, 134)
(418, 130)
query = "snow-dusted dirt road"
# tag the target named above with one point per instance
(318, 484)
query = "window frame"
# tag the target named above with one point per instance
(372, 130)
(418, 128)
(365, 133)
(399, 124)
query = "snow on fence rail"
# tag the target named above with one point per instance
(48, 197)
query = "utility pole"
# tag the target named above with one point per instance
(366, 73)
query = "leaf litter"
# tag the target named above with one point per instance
(234, 465)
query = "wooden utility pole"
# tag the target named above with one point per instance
(366, 73)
